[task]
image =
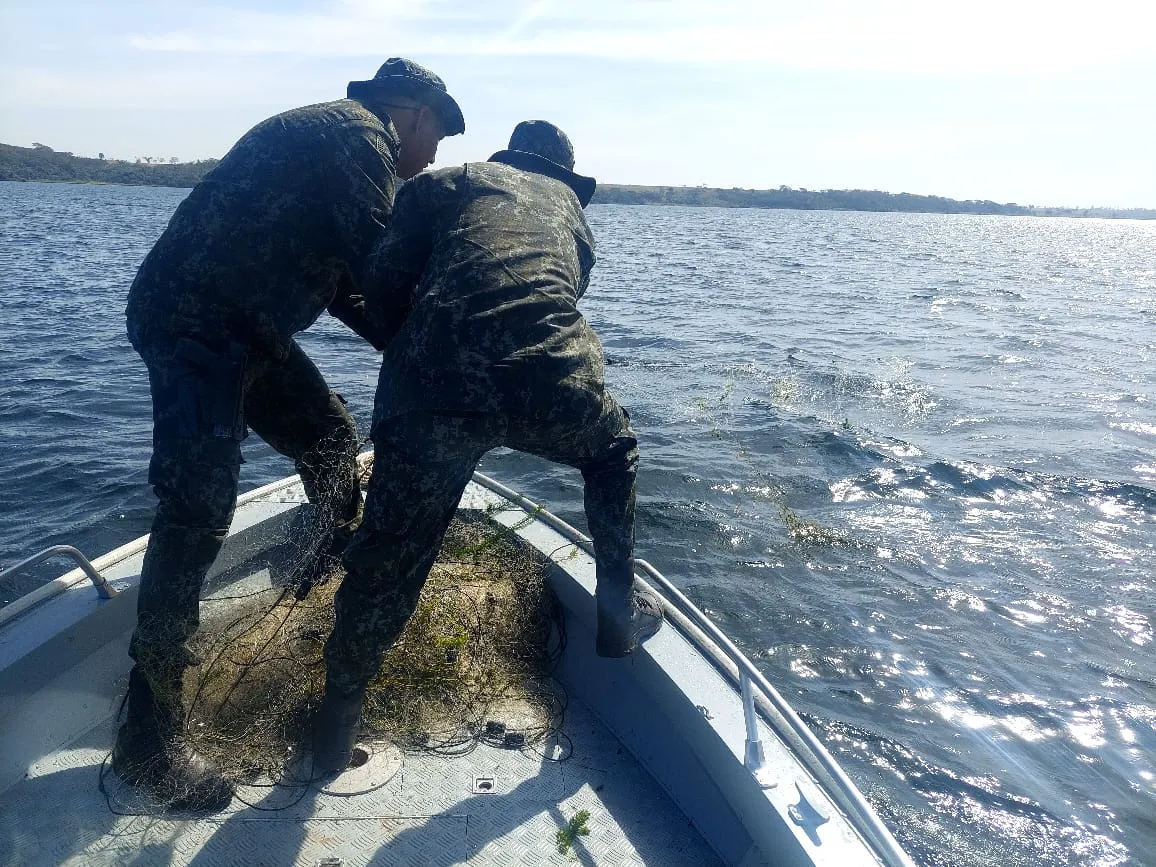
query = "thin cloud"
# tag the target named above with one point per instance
(532, 13)
(983, 36)
(990, 99)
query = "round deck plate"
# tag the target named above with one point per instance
(382, 765)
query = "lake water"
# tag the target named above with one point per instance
(907, 461)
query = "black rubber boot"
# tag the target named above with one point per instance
(335, 729)
(625, 621)
(151, 755)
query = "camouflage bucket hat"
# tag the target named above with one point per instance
(399, 76)
(544, 139)
(539, 146)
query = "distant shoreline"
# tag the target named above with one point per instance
(45, 165)
(787, 198)
(42, 163)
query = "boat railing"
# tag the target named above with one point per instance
(92, 570)
(753, 685)
(777, 712)
(103, 589)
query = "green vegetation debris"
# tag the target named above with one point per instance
(478, 647)
(809, 532)
(574, 829)
(786, 392)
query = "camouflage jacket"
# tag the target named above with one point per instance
(275, 234)
(479, 277)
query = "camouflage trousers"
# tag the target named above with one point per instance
(205, 396)
(422, 464)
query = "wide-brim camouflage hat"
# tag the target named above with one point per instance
(544, 139)
(400, 76)
(538, 145)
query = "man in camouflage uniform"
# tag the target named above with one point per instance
(479, 276)
(277, 233)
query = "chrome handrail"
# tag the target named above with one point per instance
(754, 758)
(103, 589)
(818, 760)
(813, 754)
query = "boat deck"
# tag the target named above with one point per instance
(412, 809)
(666, 758)
(487, 806)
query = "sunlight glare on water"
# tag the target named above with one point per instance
(905, 461)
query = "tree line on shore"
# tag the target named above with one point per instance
(42, 163)
(840, 200)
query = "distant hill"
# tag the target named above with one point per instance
(801, 199)
(840, 200)
(42, 163)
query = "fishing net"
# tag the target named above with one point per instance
(472, 666)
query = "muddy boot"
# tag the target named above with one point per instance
(151, 755)
(335, 728)
(627, 614)
(623, 626)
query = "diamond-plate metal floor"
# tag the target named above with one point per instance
(426, 814)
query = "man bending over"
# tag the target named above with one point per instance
(277, 233)
(479, 276)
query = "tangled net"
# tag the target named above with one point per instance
(472, 666)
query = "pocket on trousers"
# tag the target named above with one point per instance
(210, 389)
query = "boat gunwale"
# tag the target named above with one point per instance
(702, 633)
(708, 638)
(74, 577)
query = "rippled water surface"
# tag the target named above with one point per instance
(907, 461)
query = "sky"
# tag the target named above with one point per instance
(1045, 103)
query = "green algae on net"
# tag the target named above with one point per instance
(479, 648)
